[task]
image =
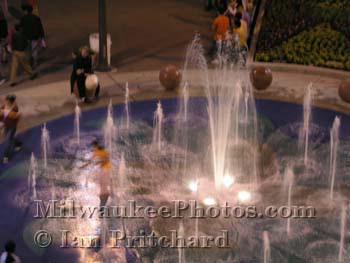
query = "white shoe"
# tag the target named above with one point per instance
(5, 160)
(2, 81)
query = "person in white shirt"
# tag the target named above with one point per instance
(9, 255)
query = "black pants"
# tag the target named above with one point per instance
(81, 85)
(11, 142)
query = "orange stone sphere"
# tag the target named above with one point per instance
(261, 77)
(344, 90)
(170, 77)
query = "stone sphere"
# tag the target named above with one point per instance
(261, 77)
(344, 90)
(91, 84)
(170, 77)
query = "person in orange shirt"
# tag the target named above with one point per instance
(101, 158)
(221, 26)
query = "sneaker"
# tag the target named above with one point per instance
(34, 76)
(5, 160)
(2, 81)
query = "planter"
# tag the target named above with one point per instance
(170, 77)
(344, 90)
(261, 77)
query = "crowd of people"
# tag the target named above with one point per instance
(231, 26)
(22, 39)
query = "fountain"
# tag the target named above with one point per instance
(157, 126)
(267, 247)
(45, 144)
(185, 97)
(33, 170)
(127, 106)
(181, 250)
(77, 123)
(304, 131)
(226, 107)
(122, 172)
(181, 131)
(215, 136)
(342, 234)
(290, 181)
(231, 112)
(109, 129)
(334, 133)
(193, 186)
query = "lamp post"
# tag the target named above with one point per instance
(102, 14)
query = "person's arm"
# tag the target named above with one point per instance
(41, 28)
(214, 25)
(77, 67)
(89, 70)
(15, 115)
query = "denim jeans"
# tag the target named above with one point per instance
(10, 142)
(35, 47)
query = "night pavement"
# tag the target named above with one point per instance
(146, 34)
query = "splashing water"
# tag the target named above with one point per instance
(77, 123)
(304, 131)
(45, 144)
(181, 251)
(229, 100)
(33, 170)
(333, 153)
(109, 129)
(127, 106)
(342, 233)
(290, 181)
(185, 98)
(157, 126)
(122, 172)
(227, 105)
(267, 247)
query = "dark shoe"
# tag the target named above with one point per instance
(13, 84)
(87, 101)
(34, 76)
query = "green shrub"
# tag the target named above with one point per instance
(321, 46)
(291, 32)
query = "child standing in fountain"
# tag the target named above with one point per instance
(101, 158)
(10, 115)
